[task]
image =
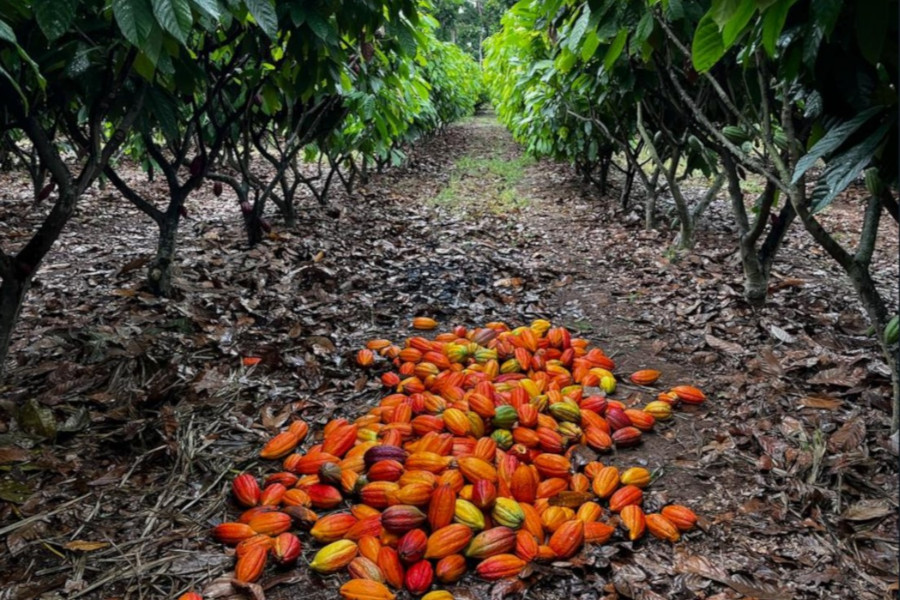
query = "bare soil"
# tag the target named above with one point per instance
(788, 463)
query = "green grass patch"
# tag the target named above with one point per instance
(486, 183)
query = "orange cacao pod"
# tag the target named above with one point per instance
(680, 516)
(300, 428)
(442, 506)
(260, 539)
(497, 540)
(308, 464)
(296, 497)
(286, 479)
(500, 566)
(629, 494)
(286, 548)
(689, 394)
(424, 323)
(365, 568)
(389, 563)
(339, 441)
(270, 523)
(246, 490)
(272, 494)
(232, 533)
(280, 445)
(448, 540)
(524, 484)
(597, 532)
(645, 377)
(606, 482)
(333, 527)
(589, 512)
(385, 470)
(526, 546)
(250, 565)
(376, 494)
(369, 547)
(473, 469)
(661, 527)
(365, 589)
(450, 568)
(633, 520)
(551, 487)
(566, 540)
(545, 553)
(640, 419)
(484, 493)
(365, 358)
(324, 496)
(427, 461)
(552, 465)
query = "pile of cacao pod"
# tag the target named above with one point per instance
(470, 462)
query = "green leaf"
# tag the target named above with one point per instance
(54, 16)
(264, 14)
(846, 167)
(615, 49)
(6, 32)
(722, 11)
(831, 141)
(707, 48)
(738, 21)
(135, 20)
(565, 61)
(591, 43)
(578, 29)
(174, 16)
(644, 28)
(773, 23)
(208, 7)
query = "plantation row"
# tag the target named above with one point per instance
(663, 90)
(242, 93)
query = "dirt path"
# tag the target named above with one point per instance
(787, 463)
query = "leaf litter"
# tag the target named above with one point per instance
(155, 408)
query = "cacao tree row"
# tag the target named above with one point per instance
(198, 90)
(801, 94)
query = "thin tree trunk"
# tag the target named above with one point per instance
(650, 201)
(159, 273)
(625, 197)
(13, 290)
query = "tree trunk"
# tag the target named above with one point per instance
(878, 315)
(288, 210)
(625, 197)
(13, 290)
(159, 273)
(650, 201)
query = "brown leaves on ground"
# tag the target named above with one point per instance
(155, 407)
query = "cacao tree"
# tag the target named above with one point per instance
(47, 99)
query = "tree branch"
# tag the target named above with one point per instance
(132, 196)
(869, 233)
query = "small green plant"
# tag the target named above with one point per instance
(488, 183)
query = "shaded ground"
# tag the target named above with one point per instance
(788, 463)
